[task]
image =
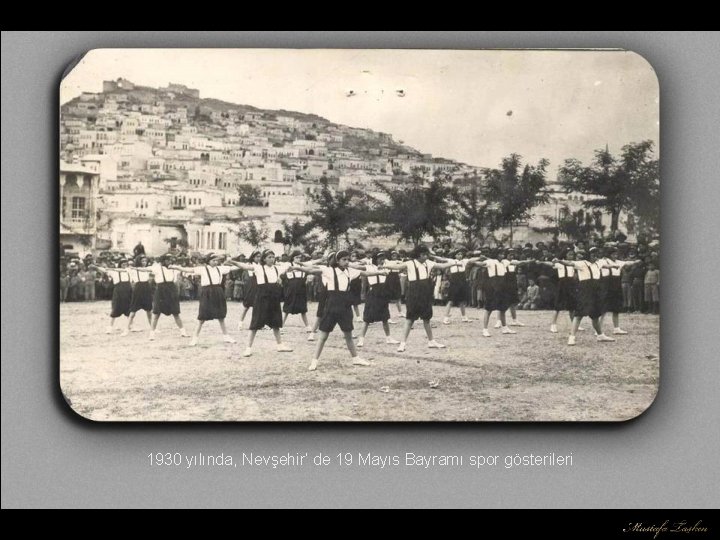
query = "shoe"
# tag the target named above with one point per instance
(603, 337)
(507, 330)
(359, 319)
(183, 333)
(361, 342)
(390, 321)
(581, 329)
(391, 341)
(401, 315)
(401, 347)
(435, 345)
(282, 330)
(357, 361)
(136, 330)
(125, 333)
(465, 319)
(516, 323)
(193, 341)
(553, 328)
(247, 352)
(284, 348)
(240, 325)
(498, 324)
(619, 331)
(354, 335)
(308, 329)
(228, 339)
(446, 320)
(109, 330)
(486, 333)
(313, 365)
(311, 337)
(152, 335)
(571, 340)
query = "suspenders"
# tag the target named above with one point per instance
(337, 281)
(207, 271)
(417, 271)
(277, 275)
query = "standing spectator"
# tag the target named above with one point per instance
(139, 249)
(88, 277)
(229, 287)
(638, 286)
(64, 284)
(652, 289)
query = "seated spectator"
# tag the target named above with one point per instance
(531, 297)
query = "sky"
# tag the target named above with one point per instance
(475, 106)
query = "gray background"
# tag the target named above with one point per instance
(668, 457)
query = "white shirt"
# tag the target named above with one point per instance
(417, 270)
(458, 265)
(137, 276)
(587, 270)
(266, 274)
(212, 275)
(374, 280)
(294, 273)
(495, 268)
(564, 271)
(509, 267)
(119, 276)
(163, 274)
(604, 271)
(344, 277)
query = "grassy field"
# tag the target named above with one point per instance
(533, 375)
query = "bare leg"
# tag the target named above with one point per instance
(131, 318)
(365, 329)
(244, 312)
(223, 327)
(575, 324)
(616, 320)
(278, 338)
(251, 338)
(513, 313)
(318, 350)
(198, 328)
(399, 306)
(149, 317)
(449, 307)
(555, 318)
(502, 318)
(428, 330)
(386, 328)
(155, 318)
(462, 310)
(179, 322)
(406, 329)
(486, 319)
(285, 318)
(597, 325)
(304, 319)
(350, 344)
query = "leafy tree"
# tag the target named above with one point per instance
(513, 194)
(473, 216)
(253, 234)
(416, 208)
(576, 226)
(297, 233)
(249, 195)
(631, 183)
(336, 212)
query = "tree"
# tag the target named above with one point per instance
(473, 216)
(297, 233)
(415, 209)
(249, 195)
(512, 194)
(576, 226)
(253, 234)
(336, 212)
(631, 183)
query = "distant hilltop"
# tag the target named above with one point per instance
(179, 96)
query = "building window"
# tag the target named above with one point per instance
(64, 207)
(212, 240)
(222, 241)
(78, 208)
(278, 239)
(197, 239)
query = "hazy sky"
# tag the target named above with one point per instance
(456, 104)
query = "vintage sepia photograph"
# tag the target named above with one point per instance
(359, 235)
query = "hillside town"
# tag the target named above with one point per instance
(166, 168)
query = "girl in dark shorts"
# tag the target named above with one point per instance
(268, 295)
(321, 292)
(495, 291)
(613, 300)
(250, 287)
(142, 295)
(166, 300)
(122, 292)
(213, 304)
(377, 300)
(459, 289)
(338, 305)
(566, 292)
(393, 287)
(356, 289)
(296, 291)
(419, 294)
(589, 299)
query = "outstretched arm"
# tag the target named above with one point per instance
(242, 266)
(378, 272)
(394, 265)
(183, 269)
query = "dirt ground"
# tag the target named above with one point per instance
(533, 375)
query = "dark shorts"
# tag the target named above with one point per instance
(266, 307)
(458, 290)
(121, 299)
(393, 288)
(495, 293)
(566, 295)
(376, 304)
(589, 299)
(166, 300)
(613, 300)
(142, 297)
(212, 303)
(419, 300)
(338, 311)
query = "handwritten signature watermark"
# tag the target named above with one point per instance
(666, 527)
